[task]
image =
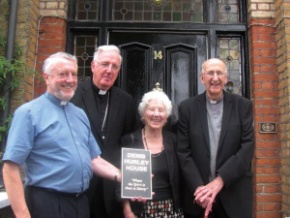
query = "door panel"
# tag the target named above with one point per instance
(179, 77)
(172, 59)
(135, 72)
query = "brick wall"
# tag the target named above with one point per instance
(265, 87)
(26, 38)
(26, 34)
(52, 35)
(282, 40)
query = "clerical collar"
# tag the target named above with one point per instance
(54, 99)
(215, 101)
(99, 91)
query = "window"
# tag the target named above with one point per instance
(84, 47)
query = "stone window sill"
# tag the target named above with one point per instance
(4, 202)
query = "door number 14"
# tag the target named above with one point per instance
(158, 55)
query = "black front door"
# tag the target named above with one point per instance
(169, 58)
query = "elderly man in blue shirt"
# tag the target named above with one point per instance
(51, 138)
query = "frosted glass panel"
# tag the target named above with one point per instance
(228, 11)
(87, 10)
(85, 46)
(229, 50)
(158, 11)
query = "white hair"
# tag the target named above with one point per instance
(56, 58)
(155, 95)
(103, 48)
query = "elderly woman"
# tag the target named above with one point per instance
(154, 110)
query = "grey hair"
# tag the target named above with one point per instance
(216, 59)
(56, 58)
(103, 48)
(155, 95)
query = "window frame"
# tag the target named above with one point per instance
(210, 27)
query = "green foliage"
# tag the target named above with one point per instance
(10, 68)
(4, 128)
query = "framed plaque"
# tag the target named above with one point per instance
(136, 173)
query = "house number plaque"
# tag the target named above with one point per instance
(268, 128)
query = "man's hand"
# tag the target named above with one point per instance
(205, 195)
(14, 188)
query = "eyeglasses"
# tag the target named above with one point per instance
(212, 73)
(106, 65)
(63, 75)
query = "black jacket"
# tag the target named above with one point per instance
(235, 152)
(121, 120)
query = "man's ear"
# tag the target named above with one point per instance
(202, 78)
(93, 65)
(45, 77)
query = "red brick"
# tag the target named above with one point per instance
(272, 93)
(268, 197)
(268, 144)
(268, 52)
(255, 68)
(268, 178)
(52, 39)
(270, 85)
(51, 28)
(50, 20)
(258, 44)
(264, 86)
(267, 37)
(268, 152)
(267, 110)
(255, 53)
(267, 118)
(255, 36)
(273, 189)
(256, 85)
(266, 102)
(265, 77)
(268, 161)
(272, 207)
(51, 43)
(267, 21)
(266, 139)
(268, 215)
(267, 170)
(258, 188)
(50, 50)
(268, 68)
(51, 36)
(259, 207)
(261, 60)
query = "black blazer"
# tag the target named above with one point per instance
(235, 151)
(121, 120)
(169, 142)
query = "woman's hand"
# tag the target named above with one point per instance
(127, 211)
(128, 214)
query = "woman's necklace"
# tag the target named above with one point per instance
(146, 145)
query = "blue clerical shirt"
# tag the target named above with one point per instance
(54, 143)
